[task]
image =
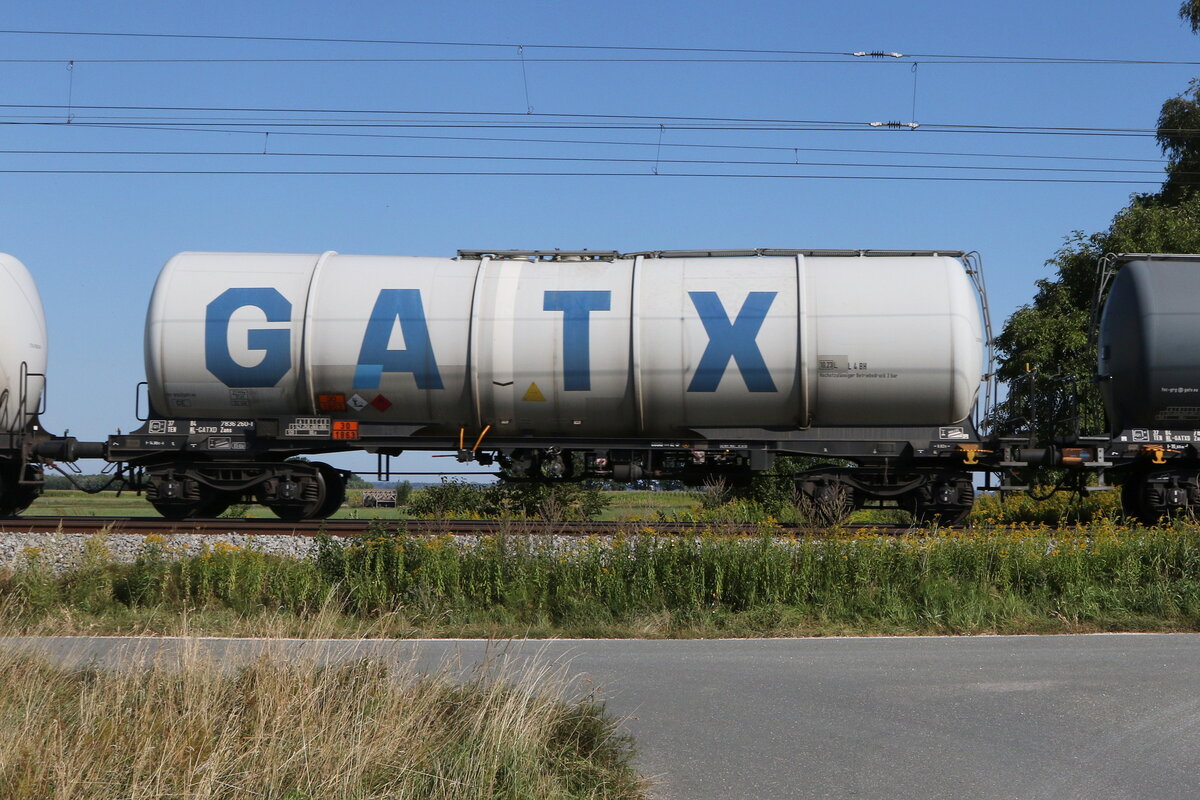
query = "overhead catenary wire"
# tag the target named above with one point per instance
(573, 119)
(612, 142)
(279, 127)
(855, 54)
(550, 174)
(656, 161)
(574, 60)
(430, 124)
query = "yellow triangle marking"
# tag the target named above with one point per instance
(534, 393)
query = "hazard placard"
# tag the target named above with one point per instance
(345, 429)
(533, 393)
(331, 402)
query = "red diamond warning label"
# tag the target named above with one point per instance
(381, 403)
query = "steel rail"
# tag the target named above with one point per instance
(418, 527)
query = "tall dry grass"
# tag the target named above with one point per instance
(286, 729)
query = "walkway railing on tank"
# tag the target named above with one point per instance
(984, 412)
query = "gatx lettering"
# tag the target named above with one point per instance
(728, 340)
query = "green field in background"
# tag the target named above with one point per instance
(72, 503)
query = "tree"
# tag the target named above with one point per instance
(1189, 12)
(1048, 339)
(358, 482)
(1050, 335)
(1178, 129)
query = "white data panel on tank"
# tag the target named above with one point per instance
(224, 332)
(896, 340)
(717, 344)
(553, 347)
(389, 336)
(22, 346)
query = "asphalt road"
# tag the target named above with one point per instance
(986, 717)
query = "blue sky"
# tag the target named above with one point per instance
(95, 242)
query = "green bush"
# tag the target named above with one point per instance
(551, 501)
(453, 497)
(1045, 508)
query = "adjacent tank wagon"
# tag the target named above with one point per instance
(1149, 377)
(563, 365)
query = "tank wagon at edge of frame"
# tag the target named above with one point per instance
(1147, 335)
(23, 346)
(564, 365)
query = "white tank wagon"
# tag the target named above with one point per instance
(562, 365)
(22, 383)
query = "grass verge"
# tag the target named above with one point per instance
(990, 580)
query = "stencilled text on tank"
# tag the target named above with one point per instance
(839, 366)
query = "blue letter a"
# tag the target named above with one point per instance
(734, 340)
(375, 358)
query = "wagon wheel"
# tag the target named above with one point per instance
(946, 502)
(312, 499)
(15, 496)
(335, 491)
(210, 502)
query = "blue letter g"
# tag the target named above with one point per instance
(274, 343)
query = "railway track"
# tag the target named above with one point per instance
(423, 527)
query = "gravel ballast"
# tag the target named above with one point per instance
(61, 551)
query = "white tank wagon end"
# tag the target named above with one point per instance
(560, 365)
(24, 446)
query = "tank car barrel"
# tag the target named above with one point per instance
(653, 345)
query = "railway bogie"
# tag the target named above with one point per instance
(1154, 496)
(945, 499)
(292, 490)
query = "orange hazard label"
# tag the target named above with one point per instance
(331, 402)
(345, 429)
